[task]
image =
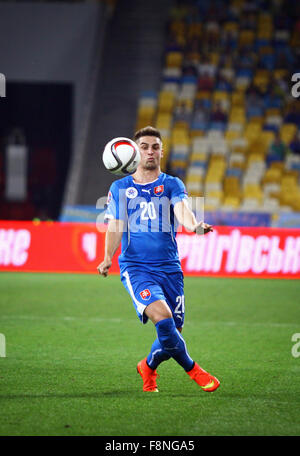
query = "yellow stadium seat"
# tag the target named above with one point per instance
(181, 125)
(198, 156)
(163, 121)
(231, 135)
(237, 118)
(253, 191)
(238, 111)
(240, 145)
(178, 164)
(272, 175)
(264, 17)
(280, 73)
(166, 101)
(238, 99)
(290, 197)
(252, 132)
(174, 59)
(231, 26)
(214, 176)
(203, 95)
(194, 193)
(287, 132)
(266, 137)
(255, 157)
(237, 114)
(262, 73)
(214, 58)
(246, 37)
(220, 95)
(166, 144)
(257, 120)
(277, 165)
(194, 30)
(180, 136)
(231, 185)
(193, 177)
(264, 50)
(178, 27)
(145, 115)
(296, 204)
(265, 34)
(215, 194)
(289, 181)
(196, 134)
(253, 127)
(272, 112)
(231, 202)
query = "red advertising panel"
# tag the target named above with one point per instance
(226, 252)
(242, 252)
(51, 247)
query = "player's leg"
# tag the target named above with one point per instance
(149, 302)
(143, 292)
(169, 338)
(157, 354)
(173, 289)
(147, 366)
(173, 343)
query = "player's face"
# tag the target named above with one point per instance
(151, 152)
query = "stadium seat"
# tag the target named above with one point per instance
(174, 59)
(163, 121)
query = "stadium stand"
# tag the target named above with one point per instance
(229, 123)
(222, 101)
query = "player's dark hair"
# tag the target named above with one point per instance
(147, 131)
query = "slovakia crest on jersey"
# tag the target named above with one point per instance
(159, 190)
(145, 294)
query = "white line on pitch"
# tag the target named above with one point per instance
(119, 320)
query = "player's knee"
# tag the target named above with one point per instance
(157, 311)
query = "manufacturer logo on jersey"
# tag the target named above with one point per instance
(145, 294)
(131, 192)
(159, 190)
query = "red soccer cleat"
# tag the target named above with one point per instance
(205, 380)
(148, 375)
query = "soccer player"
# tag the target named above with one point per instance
(143, 211)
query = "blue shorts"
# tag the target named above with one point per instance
(147, 287)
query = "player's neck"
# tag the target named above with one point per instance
(144, 176)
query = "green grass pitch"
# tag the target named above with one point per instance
(73, 342)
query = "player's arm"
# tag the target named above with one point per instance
(112, 241)
(186, 218)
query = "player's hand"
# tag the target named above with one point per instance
(203, 228)
(103, 267)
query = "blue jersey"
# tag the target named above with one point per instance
(150, 226)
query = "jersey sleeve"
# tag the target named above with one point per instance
(116, 203)
(178, 191)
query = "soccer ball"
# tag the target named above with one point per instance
(121, 156)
